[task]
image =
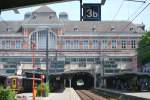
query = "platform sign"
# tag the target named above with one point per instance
(91, 12)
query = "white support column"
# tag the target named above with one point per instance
(64, 83)
(95, 80)
(70, 82)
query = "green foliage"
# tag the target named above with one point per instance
(144, 48)
(46, 88)
(6, 94)
(1, 89)
(38, 90)
(132, 84)
(51, 89)
(43, 89)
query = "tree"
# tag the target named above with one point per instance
(6, 94)
(144, 48)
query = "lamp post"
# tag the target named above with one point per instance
(33, 75)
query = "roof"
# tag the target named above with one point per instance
(39, 20)
(10, 27)
(43, 9)
(63, 13)
(101, 26)
(83, 27)
(127, 74)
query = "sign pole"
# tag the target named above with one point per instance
(81, 10)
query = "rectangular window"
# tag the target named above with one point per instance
(13, 44)
(0, 44)
(76, 44)
(71, 44)
(133, 44)
(18, 44)
(3, 44)
(124, 44)
(85, 44)
(114, 44)
(67, 44)
(7, 44)
(95, 44)
(104, 44)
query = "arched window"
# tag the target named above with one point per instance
(39, 37)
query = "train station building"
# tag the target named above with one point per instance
(101, 47)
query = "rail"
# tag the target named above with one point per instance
(90, 95)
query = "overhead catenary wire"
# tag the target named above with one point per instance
(118, 10)
(134, 13)
(135, 16)
(137, 10)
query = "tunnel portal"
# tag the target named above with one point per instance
(83, 80)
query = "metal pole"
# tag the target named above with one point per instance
(103, 70)
(33, 75)
(101, 12)
(80, 10)
(47, 68)
(56, 61)
(137, 1)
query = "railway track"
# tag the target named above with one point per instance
(89, 95)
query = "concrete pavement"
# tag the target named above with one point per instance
(67, 94)
(144, 95)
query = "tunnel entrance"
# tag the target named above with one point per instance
(83, 80)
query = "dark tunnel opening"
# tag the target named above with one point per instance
(82, 80)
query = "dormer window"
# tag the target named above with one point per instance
(93, 28)
(76, 29)
(8, 29)
(50, 17)
(34, 17)
(112, 29)
(131, 28)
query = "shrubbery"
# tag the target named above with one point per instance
(43, 89)
(6, 94)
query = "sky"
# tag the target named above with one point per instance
(128, 10)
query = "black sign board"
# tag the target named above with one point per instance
(92, 12)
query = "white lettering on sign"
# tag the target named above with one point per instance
(91, 13)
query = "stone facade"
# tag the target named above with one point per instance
(88, 44)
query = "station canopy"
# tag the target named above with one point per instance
(11, 4)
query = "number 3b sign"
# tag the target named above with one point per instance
(92, 12)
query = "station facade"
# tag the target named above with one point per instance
(100, 46)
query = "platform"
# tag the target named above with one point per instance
(67, 94)
(144, 95)
(126, 95)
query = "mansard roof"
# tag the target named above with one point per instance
(44, 9)
(102, 26)
(10, 27)
(41, 20)
(69, 26)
